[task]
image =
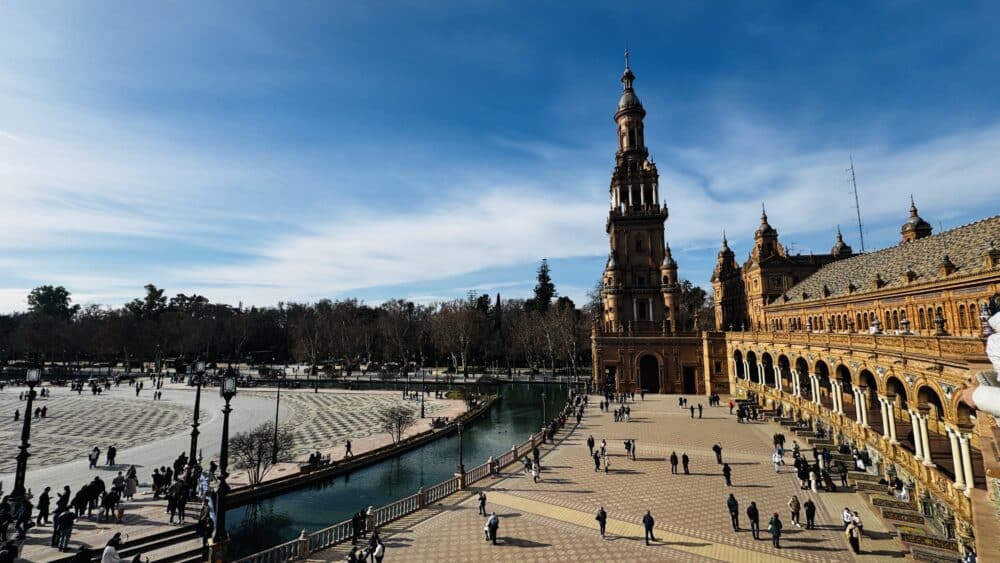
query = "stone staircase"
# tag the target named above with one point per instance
(904, 517)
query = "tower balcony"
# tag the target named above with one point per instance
(638, 211)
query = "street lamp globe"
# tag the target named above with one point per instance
(33, 375)
(228, 387)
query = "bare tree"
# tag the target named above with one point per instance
(253, 451)
(396, 420)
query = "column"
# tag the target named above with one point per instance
(835, 390)
(863, 401)
(926, 440)
(956, 458)
(970, 480)
(814, 382)
(760, 374)
(630, 195)
(777, 377)
(884, 409)
(796, 389)
(635, 310)
(642, 194)
(918, 444)
(857, 406)
(892, 421)
(746, 370)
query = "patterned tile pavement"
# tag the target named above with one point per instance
(553, 520)
(74, 424)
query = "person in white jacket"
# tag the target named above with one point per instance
(984, 391)
(110, 554)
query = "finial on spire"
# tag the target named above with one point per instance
(626, 58)
(724, 241)
(913, 206)
(839, 236)
(763, 213)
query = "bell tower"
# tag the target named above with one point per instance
(640, 281)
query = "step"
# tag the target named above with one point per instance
(148, 547)
(868, 487)
(925, 553)
(862, 476)
(885, 501)
(908, 517)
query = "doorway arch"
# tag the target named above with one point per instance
(649, 374)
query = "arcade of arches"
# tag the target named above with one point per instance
(900, 404)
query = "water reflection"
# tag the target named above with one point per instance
(273, 521)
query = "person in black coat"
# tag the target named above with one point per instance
(673, 462)
(754, 516)
(602, 519)
(684, 462)
(727, 472)
(734, 511)
(43, 507)
(647, 523)
(810, 507)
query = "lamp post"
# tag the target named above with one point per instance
(461, 461)
(277, 405)
(221, 539)
(199, 370)
(32, 377)
(422, 403)
(544, 418)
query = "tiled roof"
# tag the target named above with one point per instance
(965, 246)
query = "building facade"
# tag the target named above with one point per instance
(640, 340)
(878, 347)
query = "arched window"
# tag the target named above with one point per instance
(973, 316)
(858, 320)
(961, 317)
(920, 320)
(895, 320)
(888, 320)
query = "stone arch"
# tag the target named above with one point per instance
(768, 363)
(928, 395)
(868, 380)
(738, 361)
(825, 388)
(648, 368)
(754, 371)
(785, 370)
(896, 390)
(847, 397)
(805, 383)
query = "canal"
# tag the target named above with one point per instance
(512, 420)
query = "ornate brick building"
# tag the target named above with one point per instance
(877, 347)
(640, 341)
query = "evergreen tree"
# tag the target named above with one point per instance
(545, 290)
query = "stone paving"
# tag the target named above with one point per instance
(324, 420)
(553, 520)
(74, 424)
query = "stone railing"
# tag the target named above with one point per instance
(947, 347)
(308, 543)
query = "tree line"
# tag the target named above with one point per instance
(545, 331)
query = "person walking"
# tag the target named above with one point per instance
(492, 526)
(854, 537)
(602, 519)
(718, 453)
(810, 507)
(684, 462)
(777, 460)
(699, 410)
(597, 462)
(842, 470)
(347, 450)
(482, 503)
(379, 553)
(734, 512)
(753, 515)
(607, 463)
(590, 444)
(647, 523)
(847, 516)
(774, 526)
(795, 507)
(95, 455)
(692, 411)
(673, 462)
(64, 525)
(727, 472)
(43, 507)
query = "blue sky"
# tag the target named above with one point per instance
(263, 152)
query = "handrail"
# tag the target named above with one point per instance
(441, 490)
(477, 473)
(288, 551)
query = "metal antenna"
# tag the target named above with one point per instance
(857, 204)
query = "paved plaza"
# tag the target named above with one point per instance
(554, 520)
(150, 434)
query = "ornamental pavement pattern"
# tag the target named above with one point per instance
(74, 424)
(323, 420)
(554, 520)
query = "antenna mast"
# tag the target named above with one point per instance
(857, 204)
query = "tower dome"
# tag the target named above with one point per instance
(915, 227)
(840, 248)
